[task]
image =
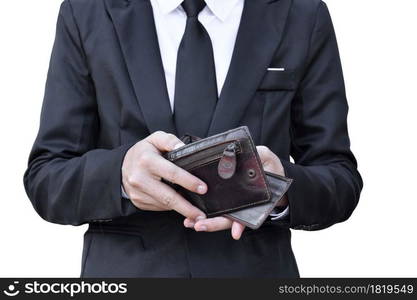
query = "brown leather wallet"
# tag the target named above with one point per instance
(230, 165)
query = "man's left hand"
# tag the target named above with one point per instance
(271, 163)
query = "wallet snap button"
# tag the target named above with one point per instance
(251, 173)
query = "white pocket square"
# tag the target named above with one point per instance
(276, 69)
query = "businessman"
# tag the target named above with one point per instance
(127, 78)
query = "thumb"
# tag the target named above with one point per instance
(237, 230)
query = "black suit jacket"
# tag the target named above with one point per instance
(106, 90)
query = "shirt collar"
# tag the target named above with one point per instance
(167, 6)
(220, 8)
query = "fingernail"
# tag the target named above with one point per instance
(189, 224)
(199, 218)
(202, 228)
(178, 145)
(201, 189)
(235, 234)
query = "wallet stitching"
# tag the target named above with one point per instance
(205, 164)
(181, 156)
(206, 140)
(215, 159)
(230, 210)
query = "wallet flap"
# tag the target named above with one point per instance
(230, 187)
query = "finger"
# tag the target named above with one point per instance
(213, 224)
(264, 153)
(237, 230)
(189, 223)
(164, 141)
(268, 166)
(150, 207)
(171, 200)
(169, 171)
(142, 200)
(270, 161)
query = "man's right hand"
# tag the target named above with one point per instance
(142, 171)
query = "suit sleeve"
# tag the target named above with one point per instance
(326, 185)
(69, 180)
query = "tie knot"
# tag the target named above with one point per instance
(193, 7)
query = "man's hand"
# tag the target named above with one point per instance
(271, 163)
(142, 171)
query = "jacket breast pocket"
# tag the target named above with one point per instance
(277, 79)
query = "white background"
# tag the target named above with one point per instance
(378, 45)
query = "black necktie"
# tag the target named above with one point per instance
(195, 82)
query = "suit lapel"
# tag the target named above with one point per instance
(260, 32)
(134, 24)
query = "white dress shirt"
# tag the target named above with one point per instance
(221, 19)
